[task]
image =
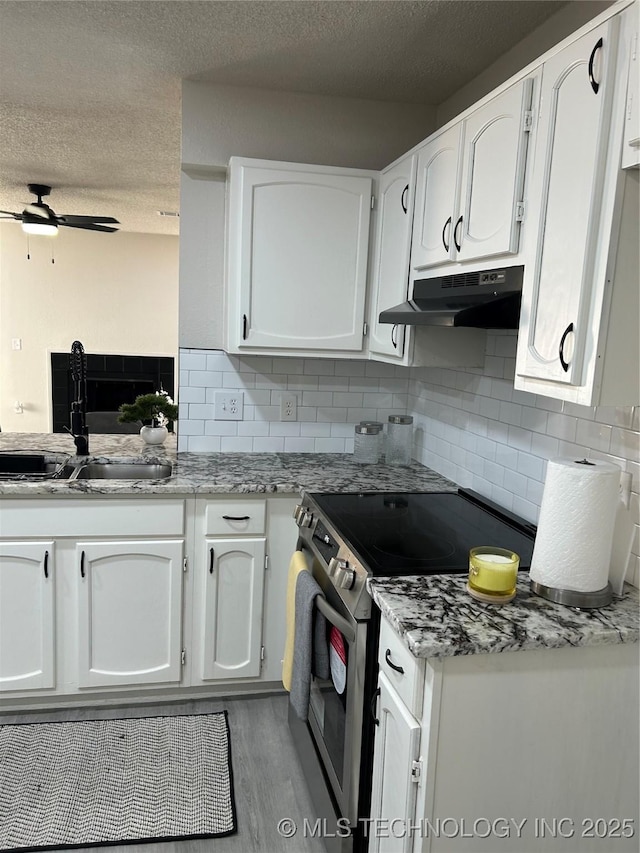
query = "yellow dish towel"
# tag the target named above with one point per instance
(297, 564)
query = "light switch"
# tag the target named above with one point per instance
(16, 343)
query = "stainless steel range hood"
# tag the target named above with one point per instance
(484, 300)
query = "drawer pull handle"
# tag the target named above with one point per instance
(46, 564)
(211, 560)
(374, 699)
(394, 341)
(82, 564)
(387, 657)
(237, 517)
(244, 327)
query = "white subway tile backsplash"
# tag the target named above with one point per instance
(470, 424)
(204, 444)
(193, 361)
(234, 444)
(268, 445)
(595, 435)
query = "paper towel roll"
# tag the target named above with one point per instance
(572, 549)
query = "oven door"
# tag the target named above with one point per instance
(329, 745)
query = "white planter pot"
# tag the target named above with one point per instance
(154, 435)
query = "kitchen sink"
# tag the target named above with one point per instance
(32, 466)
(123, 471)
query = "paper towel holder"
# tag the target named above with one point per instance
(573, 597)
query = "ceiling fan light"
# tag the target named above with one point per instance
(38, 227)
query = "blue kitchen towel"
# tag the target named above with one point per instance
(303, 652)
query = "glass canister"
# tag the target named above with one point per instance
(399, 440)
(366, 446)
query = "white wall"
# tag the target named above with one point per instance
(223, 121)
(117, 293)
(568, 19)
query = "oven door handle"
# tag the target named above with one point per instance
(335, 618)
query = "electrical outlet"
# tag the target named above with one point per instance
(288, 407)
(229, 406)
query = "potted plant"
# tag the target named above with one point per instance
(154, 412)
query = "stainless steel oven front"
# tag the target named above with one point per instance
(335, 744)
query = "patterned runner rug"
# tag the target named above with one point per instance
(97, 782)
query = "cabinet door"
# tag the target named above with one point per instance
(298, 257)
(631, 141)
(566, 188)
(129, 612)
(392, 246)
(232, 636)
(397, 744)
(27, 624)
(494, 155)
(435, 200)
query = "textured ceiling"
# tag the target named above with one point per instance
(90, 89)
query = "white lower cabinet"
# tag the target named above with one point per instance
(27, 615)
(129, 612)
(125, 596)
(504, 740)
(234, 584)
(395, 758)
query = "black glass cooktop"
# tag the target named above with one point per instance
(423, 533)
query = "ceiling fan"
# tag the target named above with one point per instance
(39, 218)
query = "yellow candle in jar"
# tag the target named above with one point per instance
(493, 570)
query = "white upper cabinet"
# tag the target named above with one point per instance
(491, 191)
(581, 272)
(297, 260)
(631, 141)
(390, 258)
(469, 196)
(436, 194)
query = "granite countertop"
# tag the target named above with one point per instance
(436, 617)
(214, 473)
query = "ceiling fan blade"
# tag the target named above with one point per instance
(87, 226)
(72, 220)
(43, 211)
(11, 213)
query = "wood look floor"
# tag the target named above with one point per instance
(268, 781)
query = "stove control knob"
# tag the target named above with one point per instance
(306, 519)
(334, 565)
(345, 577)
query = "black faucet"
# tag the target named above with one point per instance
(79, 429)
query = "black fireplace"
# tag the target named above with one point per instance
(111, 381)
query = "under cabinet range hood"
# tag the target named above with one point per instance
(489, 299)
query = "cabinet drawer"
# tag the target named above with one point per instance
(85, 516)
(234, 517)
(394, 656)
